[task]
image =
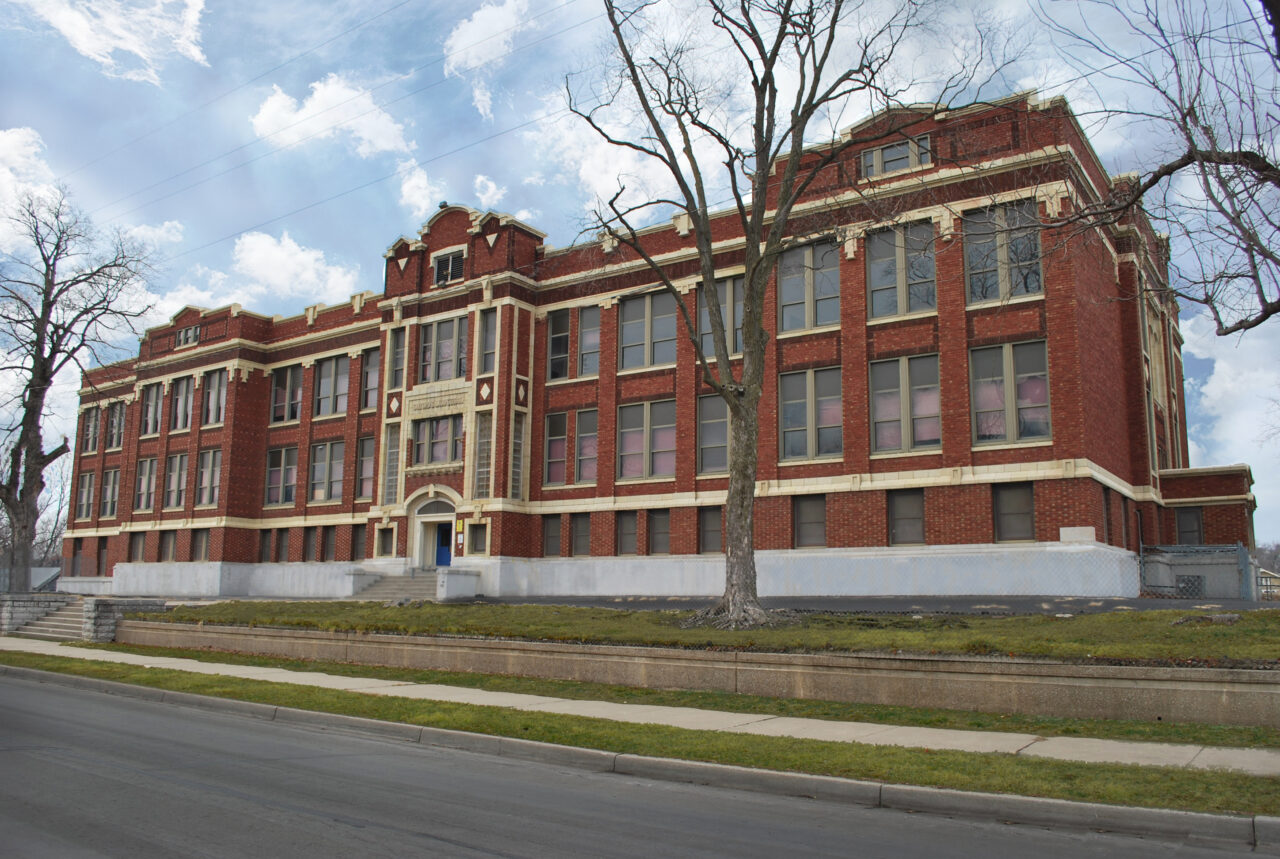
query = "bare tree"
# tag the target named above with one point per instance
(729, 105)
(1202, 88)
(64, 298)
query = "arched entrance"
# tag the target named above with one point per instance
(433, 533)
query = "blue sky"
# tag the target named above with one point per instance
(271, 151)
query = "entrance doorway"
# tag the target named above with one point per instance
(434, 543)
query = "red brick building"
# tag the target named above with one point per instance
(962, 398)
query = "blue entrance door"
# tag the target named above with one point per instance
(444, 553)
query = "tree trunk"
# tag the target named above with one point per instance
(23, 530)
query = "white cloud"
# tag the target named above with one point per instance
(529, 216)
(22, 170)
(478, 45)
(417, 191)
(535, 179)
(335, 105)
(488, 193)
(168, 233)
(127, 38)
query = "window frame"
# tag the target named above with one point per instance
(1003, 236)
(370, 377)
(587, 350)
(188, 336)
(647, 343)
(90, 429)
(704, 421)
(811, 300)
(705, 516)
(482, 472)
(580, 533)
(551, 541)
(907, 416)
(556, 431)
(488, 336)
(1003, 494)
(430, 362)
(284, 489)
(175, 481)
(208, 477)
(366, 460)
(732, 293)
(904, 255)
(144, 485)
(84, 496)
(448, 266)
(1011, 408)
(200, 544)
(286, 394)
(1197, 529)
(213, 386)
(808, 504)
(331, 382)
(919, 154)
(558, 344)
(181, 400)
(424, 440)
(627, 532)
(812, 428)
(580, 458)
(325, 471)
(115, 426)
(395, 358)
(152, 402)
(895, 502)
(650, 431)
(658, 532)
(110, 495)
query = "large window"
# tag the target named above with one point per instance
(175, 481)
(809, 517)
(115, 425)
(144, 488)
(810, 414)
(282, 474)
(905, 404)
(1002, 251)
(900, 270)
(710, 530)
(482, 476)
(586, 439)
(152, 401)
(554, 470)
(913, 152)
(443, 350)
(84, 497)
(1015, 517)
(286, 394)
(713, 434)
(647, 330)
(370, 368)
(730, 293)
(906, 516)
(183, 390)
(326, 471)
(89, 435)
(449, 267)
(437, 440)
(558, 344)
(588, 341)
(488, 340)
(1010, 412)
(110, 492)
(809, 287)
(647, 440)
(215, 397)
(364, 467)
(208, 477)
(331, 380)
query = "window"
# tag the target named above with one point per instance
(200, 544)
(326, 471)
(482, 476)
(77, 555)
(175, 480)
(580, 533)
(1014, 511)
(208, 477)
(437, 440)
(282, 545)
(286, 394)
(731, 297)
(329, 543)
(449, 267)
(183, 389)
(626, 526)
(588, 341)
(1190, 526)
(551, 536)
(1002, 412)
(558, 344)
(443, 350)
(215, 397)
(102, 557)
(477, 538)
(557, 448)
(115, 425)
(906, 517)
(264, 547)
(905, 404)
(713, 434)
(659, 532)
(187, 336)
(309, 543)
(137, 547)
(151, 405)
(517, 455)
(811, 414)
(488, 340)
(809, 513)
(710, 530)
(914, 152)
(331, 382)
(145, 485)
(90, 433)
(391, 466)
(110, 492)
(900, 270)
(1002, 252)
(586, 440)
(647, 330)
(395, 373)
(282, 474)
(370, 367)
(364, 467)
(168, 545)
(809, 287)
(84, 497)
(358, 538)
(647, 440)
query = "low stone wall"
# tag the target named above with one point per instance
(101, 616)
(18, 610)
(1216, 696)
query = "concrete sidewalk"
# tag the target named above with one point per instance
(1259, 762)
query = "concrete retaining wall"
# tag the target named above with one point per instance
(1216, 696)
(87, 585)
(212, 579)
(1219, 573)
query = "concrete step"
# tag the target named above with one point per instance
(62, 624)
(418, 587)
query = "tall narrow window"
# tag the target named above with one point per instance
(809, 515)
(627, 530)
(326, 470)
(89, 435)
(1003, 412)
(286, 394)
(1015, 517)
(1002, 251)
(900, 270)
(488, 340)
(809, 287)
(282, 475)
(586, 439)
(647, 439)
(588, 341)
(580, 533)
(713, 434)
(182, 391)
(152, 403)
(551, 536)
(558, 344)
(364, 467)
(200, 544)
(906, 516)
(443, 350)
(391, 466)
(137, 547)
(811, 414)
(175, 480)
(370, 369)
(144, 491)
(309, 535)
(359, 537)
(647, 330)
(659, 532)
(482, 477)
(329, 543)
(282, 545)
(110, 492)
(209, 477)
(331, 380)
(554, 471)
(710, 530)
(395, 373)
(215, 397)
(264, 547)
(517, 455)
(905, 404)
(168, 545)
(731, 300)
(84, 496)
(115, 425)
(1190, 526)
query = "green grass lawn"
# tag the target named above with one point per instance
(1148, 636)
(1121, 785)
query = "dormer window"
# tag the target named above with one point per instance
(449, 267)
(187, 336)
(904, 154)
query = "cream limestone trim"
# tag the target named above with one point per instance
(1012, 445)
(1206, 470)
(919, 314)
(903, 454)
(791, 335)
(1006, 301)
(1211, 500)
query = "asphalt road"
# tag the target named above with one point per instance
(86, 774)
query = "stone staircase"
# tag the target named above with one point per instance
(419, 585)
(64, 624)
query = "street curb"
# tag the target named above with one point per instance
(1260, 832)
